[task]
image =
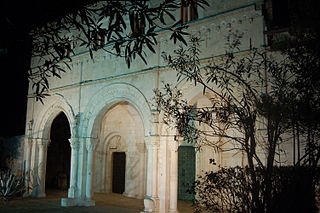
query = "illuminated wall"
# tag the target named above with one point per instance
(108, 107)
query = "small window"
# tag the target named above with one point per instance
(280, 13)
(99, 40)
(277, 14)
(137, 25)
(277, 17)
(188, 10)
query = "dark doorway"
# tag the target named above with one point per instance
(118, 172)
(186, 172)
(59, 155)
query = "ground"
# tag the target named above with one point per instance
(105, 203)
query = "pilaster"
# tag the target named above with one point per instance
(173, 148)
(29, 167)
(80, 191)
(43, 147)
(151, 201)
(73, 189)
(90, 146)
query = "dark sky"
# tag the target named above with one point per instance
(16, 19)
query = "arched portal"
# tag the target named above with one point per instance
(120, 165)
(58, 155)
(194, 156)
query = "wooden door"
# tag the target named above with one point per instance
(118, 172)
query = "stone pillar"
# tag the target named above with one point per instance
(28, 144)
(76, 192)
(27, 169)
(74, 143)
(90, 145)
(142, 169)
(173, 145)
(151, 200)
(34, 180)
(43, 146)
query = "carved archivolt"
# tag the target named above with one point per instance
(107, 97)
(53, 105)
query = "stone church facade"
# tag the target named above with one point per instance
(115, 137)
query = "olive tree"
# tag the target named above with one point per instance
(251, 109)
(130, 27)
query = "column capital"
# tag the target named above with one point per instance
(28, 141)
(178, 138)
(74, 143)
(42, 141)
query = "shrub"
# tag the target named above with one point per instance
(229, 190)
(224, 191)
(9, 149)
(10, 185)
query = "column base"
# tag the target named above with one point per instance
(173, 211)
(88, 203)
(150, 205)
(72, 192)
(26, 194)
(41, 195)
(65, 202)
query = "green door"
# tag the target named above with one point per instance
(186, 172)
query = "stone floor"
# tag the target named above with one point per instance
(105, 203)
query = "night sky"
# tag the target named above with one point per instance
(16, 20)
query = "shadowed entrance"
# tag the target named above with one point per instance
(58, 155)
(120, 160)
(118, 172)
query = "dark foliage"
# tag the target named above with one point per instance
(229, 190)
(10, 185)
(102, 25)
(259, 99)
(9, 151)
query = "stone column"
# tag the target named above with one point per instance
(151, 199)
(173, 145)
(43, 146)
(142, 168)
(76, 192)
(90, 145)
(74, 143)
(28, 144)
(34, 180)
(27, 169)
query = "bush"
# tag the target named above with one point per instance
(229, 190)
(224, 191)
(9, 150)
(10, 185)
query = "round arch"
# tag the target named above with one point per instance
(120, 151)
(191, 92)
(106, 98)
(192, 161)
(53, 106)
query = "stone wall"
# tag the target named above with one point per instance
(109, 108)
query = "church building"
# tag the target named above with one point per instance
(98, 131)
